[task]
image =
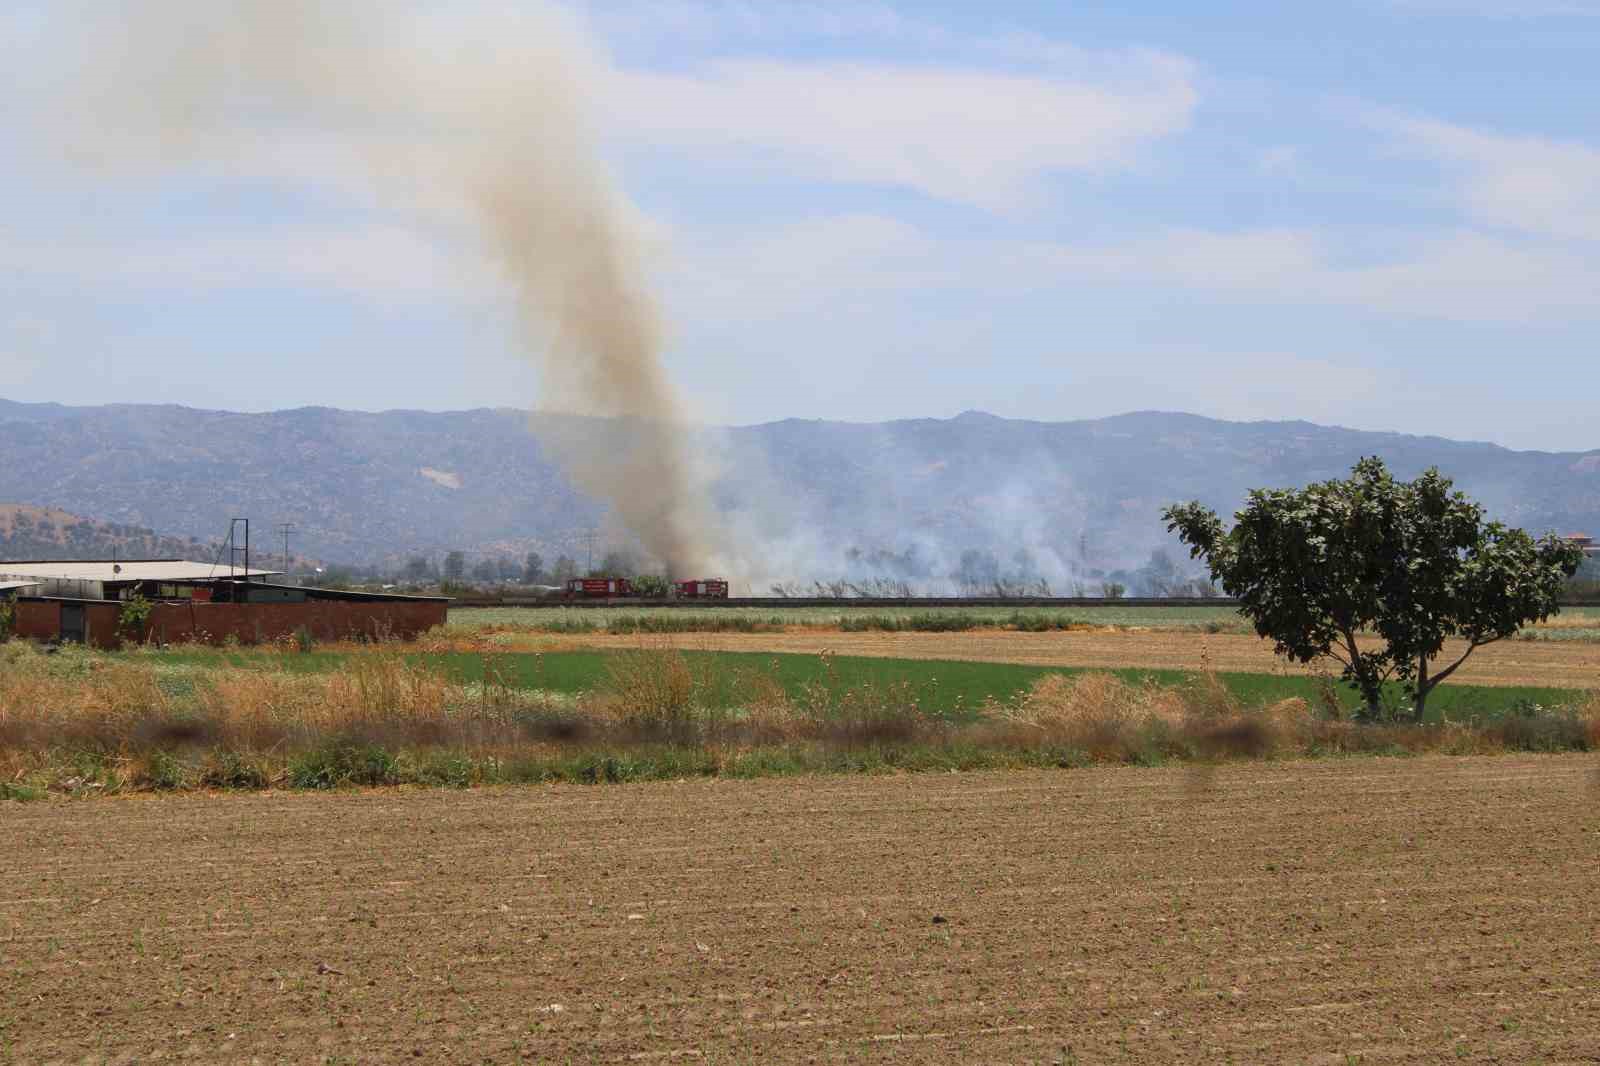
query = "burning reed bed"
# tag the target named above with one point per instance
(83, 722)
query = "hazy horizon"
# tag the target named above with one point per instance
(520, 412)
(1382, 215)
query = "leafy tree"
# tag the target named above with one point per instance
(651, 586)
(533, 569)
(1161, 576)
(1585, 584)
(565, 570)
(455, 566)
(1319, 569)
(485, 570)
(417, 569)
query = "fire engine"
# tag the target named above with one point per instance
(612, 588)
(599, 588)
(707, 588)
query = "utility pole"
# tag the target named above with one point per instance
(286, 528)
(589, 538)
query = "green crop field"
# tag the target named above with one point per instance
(949, 689)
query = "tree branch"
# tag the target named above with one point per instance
(1447, 671)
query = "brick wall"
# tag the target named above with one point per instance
(326, 620)
(37, 620)
(41, 620)
(251, 623)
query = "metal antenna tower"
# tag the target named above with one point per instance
(234, 549)
(285, 528)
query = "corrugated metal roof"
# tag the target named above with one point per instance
(312, 592)
(12, 586)
(126, 570)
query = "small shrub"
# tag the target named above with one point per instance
(303, 640)
(165, 771)
(229, 769)
(20, 792)
(346, 763)
(574, 626)
(133, 617)
(1544, 732)
(1039, 622)
(924, 622)
(651, 689)
(449, 768)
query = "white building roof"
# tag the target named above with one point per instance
(126, 570)
(12, 586)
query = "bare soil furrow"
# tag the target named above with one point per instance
(1426, 909)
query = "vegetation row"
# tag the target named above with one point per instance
(81, 723)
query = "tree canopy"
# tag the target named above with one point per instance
(1323, 570)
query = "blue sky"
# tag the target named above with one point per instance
(1380, 213)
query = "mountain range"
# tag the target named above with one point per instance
(798, 499)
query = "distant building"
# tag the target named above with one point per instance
(1586, 542)
(82, 600)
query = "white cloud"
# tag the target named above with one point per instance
(1282, 159)
(378, 262)
(1454, 276)
(962, 135)
(1471, 276)
(834, 262)
(1502, 9)
(1533, 184)
(1250, 260)
(1243, 386)
(26, 342)
(1460, 276)
(706, 21)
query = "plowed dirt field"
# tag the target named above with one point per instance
(1338, 911)
(1554, 664)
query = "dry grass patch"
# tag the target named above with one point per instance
(79, 719)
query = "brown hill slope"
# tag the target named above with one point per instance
(29, 532)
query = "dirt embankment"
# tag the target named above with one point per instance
(1357, 910)
(1556, 664)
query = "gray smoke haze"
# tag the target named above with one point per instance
(471, 127)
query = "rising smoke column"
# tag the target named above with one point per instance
(474, 119)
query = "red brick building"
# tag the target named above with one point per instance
(83, 601)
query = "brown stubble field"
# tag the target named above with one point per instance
(1358, 910)
(1554, 664)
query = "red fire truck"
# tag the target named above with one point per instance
(598, 588)
(711, 588)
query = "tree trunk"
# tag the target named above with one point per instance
(1424, 686)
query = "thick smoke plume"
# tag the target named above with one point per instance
(470, 126)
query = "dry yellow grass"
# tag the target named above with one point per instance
(1554, 664)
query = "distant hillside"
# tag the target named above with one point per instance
(29, 532)
(794, 497)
